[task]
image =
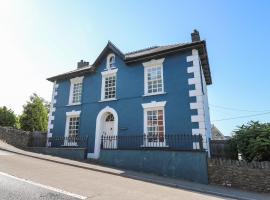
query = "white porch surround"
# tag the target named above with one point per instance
(51, 113)
(201, 103)
(99, 124)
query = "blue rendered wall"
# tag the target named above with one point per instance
(186, 165)
(129, 93)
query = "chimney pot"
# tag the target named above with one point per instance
(82, 63)
(195, 36)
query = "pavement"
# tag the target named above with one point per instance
(98, 182)
(12, 188)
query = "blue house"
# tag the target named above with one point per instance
(160, 91)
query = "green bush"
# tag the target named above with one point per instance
(7, 117)
(253, 141)
(35, 114)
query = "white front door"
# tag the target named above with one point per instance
(110, 139)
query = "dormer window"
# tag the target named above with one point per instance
(111, 61)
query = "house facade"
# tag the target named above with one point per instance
(160, 90)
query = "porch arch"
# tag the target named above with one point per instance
(99, 125)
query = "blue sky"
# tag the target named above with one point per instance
(43, 38)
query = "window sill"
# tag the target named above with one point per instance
(104, 100)
(74, 104)
(155, 145)
(153, 94)
(71, 144)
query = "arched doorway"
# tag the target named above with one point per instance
(107, 125)
(109, 137)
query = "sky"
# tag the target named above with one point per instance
(39, 39)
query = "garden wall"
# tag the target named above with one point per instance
(14, 136)
(254, 176)
(189, 165)
(20, 138)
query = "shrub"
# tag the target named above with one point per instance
(253, 141)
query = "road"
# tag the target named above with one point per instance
(14, 189)
(33, 178)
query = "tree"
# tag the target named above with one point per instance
(253, 141)
(7, 117)
(35, 114)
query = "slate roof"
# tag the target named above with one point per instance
(150, 50)
(141, 55)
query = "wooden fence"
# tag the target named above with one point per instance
(223, 149)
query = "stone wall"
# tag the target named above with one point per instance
(14, 136)
(254, 176)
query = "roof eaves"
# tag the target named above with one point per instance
(71, 74)
(201, 45)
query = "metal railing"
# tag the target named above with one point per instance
(74, 142)
(155, 141)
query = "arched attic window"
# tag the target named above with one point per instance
(110, 61)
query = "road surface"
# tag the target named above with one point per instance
(15, 189)
(29, 178)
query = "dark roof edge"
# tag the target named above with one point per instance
(200, 45)
(71, 74)
(111, 46)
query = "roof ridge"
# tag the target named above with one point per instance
(140, 50)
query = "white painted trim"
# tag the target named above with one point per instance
(196, 145)
(151, 106)
(154, 104)
(105, 74)
(201, 100)
(77, 80)
(109, 72)
(152, 94)
(111, 99)
(196, 105)
(72, 82)
(73, 113)
(70, 114)
(51, 112)
(108, 61)
(74, 104)
(197, 118)
(99, 125)
(153, 64)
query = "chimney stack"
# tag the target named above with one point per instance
(195, 36)
(82, 64)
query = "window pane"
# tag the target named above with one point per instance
(77, 93)
(110, 87)
(155, 125)
(73, 130)
(154, 80)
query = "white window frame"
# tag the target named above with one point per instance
(105, 74)
(108, 67)
(154, 106)
(74, 81)
(68, 116)
(153, 64)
